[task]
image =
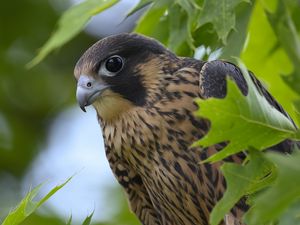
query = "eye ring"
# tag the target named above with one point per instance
(114, 64)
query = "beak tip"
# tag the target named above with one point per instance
(83, 108)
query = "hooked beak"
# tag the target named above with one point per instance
(88, 89)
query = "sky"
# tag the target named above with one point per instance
(74, 146)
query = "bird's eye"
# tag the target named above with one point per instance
(114, 64)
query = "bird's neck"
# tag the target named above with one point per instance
(111, 106)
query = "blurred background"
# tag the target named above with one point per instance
(44, 136)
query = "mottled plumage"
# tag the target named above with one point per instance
(143, 95)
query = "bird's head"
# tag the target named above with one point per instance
(119, 72)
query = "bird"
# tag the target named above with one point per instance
(143, 95)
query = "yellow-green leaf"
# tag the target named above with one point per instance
(27, 206)
(289, 38)
(70, 24)
(221, 14)
(88, 219)
(148, 22)
(271, 204)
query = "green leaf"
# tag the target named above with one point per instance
(88, 219)
(266, 60)
(291, 215)
(293, 80)
(242, 180)
(183, 21)
(148, 22)
(288, 37)
(70, 24)
(161, 31)
(179, 28)
(243, 121)
(297, 110)
(273, 202)
(221, 14)
(70, 220)
(237, 37)
(139, 6)
(27, 206)
(192, 12)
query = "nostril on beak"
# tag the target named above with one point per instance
(85, 82)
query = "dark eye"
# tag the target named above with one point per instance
(114, 64)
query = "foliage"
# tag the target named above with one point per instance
(221, 15)
(247, 122)
(286, 31)
(263, 33)
(70, 24)
(88, 219)
(243, 180)
(267, 57)
(28, 206)
(280, 196)
(182, 25)
(238, 117)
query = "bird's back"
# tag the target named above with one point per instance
(155, 141)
